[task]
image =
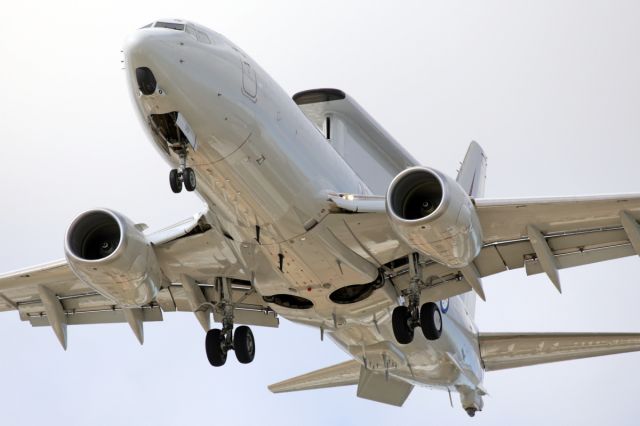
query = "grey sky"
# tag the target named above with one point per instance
(551, 89)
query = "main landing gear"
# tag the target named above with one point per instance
(405, 319)
(219, 342)
(181, 175)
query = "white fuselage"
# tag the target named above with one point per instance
(260, 163)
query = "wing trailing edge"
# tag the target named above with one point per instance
(511, 350)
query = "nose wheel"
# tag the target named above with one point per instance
(183, 175)
(177, 178)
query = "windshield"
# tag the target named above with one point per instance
(170, 25)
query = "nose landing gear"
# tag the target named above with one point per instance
(405, 319)
(219, 342)
(182, 175)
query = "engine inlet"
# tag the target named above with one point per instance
(94, 236)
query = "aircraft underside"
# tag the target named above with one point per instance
(313, 212)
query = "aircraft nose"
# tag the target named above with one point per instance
(144, 44)
(149, 53)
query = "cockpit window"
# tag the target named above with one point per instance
(201, 36)
(191, 30)
(147, 26)
(170, 25)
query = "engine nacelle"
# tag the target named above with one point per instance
(434, 216)
(107, 252)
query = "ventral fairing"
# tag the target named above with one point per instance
(313, 212)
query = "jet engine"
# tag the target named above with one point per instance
(106, 251)
(434, 216)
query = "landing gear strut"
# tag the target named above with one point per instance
(219, 342)
(182, 175)
(405, 319)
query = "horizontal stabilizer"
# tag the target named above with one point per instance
(510, 350)
(344, 374)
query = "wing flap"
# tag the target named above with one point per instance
(105, 316)
(511, 350)
(343, 374)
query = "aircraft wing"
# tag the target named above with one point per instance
(544, 235)
(193, 247)
(539, 234)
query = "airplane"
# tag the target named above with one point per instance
(313, 212)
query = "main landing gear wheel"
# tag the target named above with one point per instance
(431, 321)
(219, 342)
(402, 328)
(244, 345)
(406, 318)
(189, 179)
(216, 348)
(175, 181)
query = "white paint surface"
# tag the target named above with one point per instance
(550, 89)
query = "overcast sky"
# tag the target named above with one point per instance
(551, 89)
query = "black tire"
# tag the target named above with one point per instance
(216, 354)
(244, 344)
(174, 181)
(402, 330)
(431, 321)
(189, 178)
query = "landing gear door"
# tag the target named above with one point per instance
(182, 123)
(249, 81)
